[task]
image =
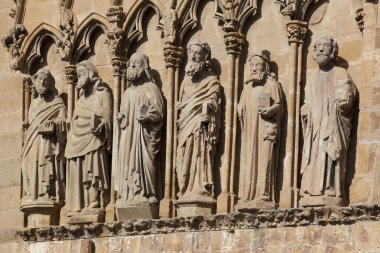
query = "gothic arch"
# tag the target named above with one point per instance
(34, 43)
(133, 27)
(86, 30)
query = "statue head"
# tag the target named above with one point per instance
(325, 51)
(259, 66)
(199, 55)
(87, 74)
(44, 82)
(138, 68)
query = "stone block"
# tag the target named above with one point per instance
(359, 191)
(11, 218)
(10, 171)
(10, 197)
(136, 212)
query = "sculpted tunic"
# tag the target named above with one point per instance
(327, 122)
(259, 151)
(88, 166)
(42, 154)
(139, 143)
(196, 140)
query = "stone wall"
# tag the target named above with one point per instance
(354, 24)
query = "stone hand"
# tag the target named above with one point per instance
(267, 112)
(123, 119)
(104, 123)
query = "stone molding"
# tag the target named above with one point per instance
(228, 222)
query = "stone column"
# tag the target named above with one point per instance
(70, 72)
(173, 57)
(27, 94)
(116, 18)
(118, 65)
(290, 193)
(226, 200)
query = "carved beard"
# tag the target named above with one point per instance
(83, 82)
(133, 74)
(256, 77)
(322, 58)
(193, 67)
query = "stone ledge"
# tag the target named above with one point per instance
(227, 222)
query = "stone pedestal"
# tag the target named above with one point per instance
(41, 213)
(317, 201)
(254, 205)
(126, 212)
(86, 216)
(200, 205)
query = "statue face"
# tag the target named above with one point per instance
(322, 52)
(83, 78)
(197, 59)
(135, 69)
(257, 68)
(41, 83)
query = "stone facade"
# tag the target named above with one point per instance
(204, 175)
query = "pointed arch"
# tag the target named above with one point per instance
(86, 30)
(34, 42)
(133, 27)
(187, 14)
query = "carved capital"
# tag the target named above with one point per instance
(287, 7)
(234, 42)
(296, 31)
(27, 83)
(116, 17)
(173, 55)
(118, 66)
(71, 73)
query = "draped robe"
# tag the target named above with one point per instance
(87, 154)
(259, 151)
(42, 155)
(197, 140)
(136, 174)
(326, 128)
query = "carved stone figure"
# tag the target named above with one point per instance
(198, 131)
(13, 42)
(42, 163)
(326, 121)
(67, 28)
(170, 21)
(260, 112)
(230, 19)
(88, 143)
(141, 118)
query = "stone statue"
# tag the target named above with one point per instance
(326, 121)
(42, 152)
(141, 118)
(88, 143)
(42, 160)
(260, 112)
(198, 131)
